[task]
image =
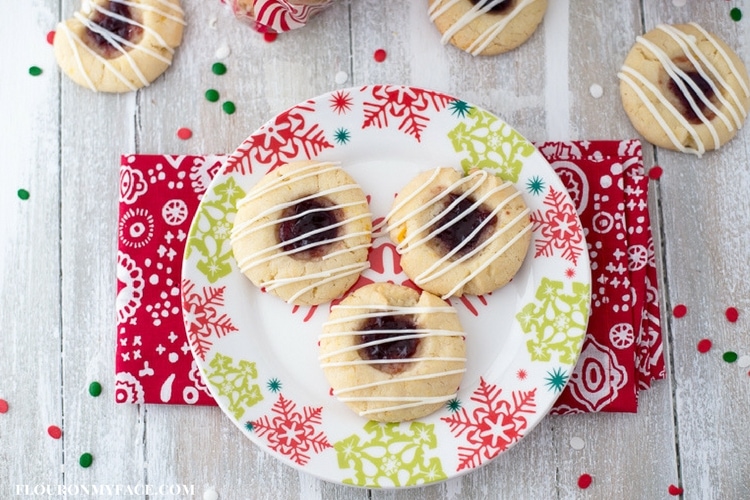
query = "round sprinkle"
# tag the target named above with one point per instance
(86, 460)
(23, 194)
(380, 55)
(584, 481)
(675, 490)
(51, 37)
(704, 345)
(218, 68)
(270, 37)
(735, 14)
(212, 95)
(732, 314)
(655, 172)
(95, 389)
(744, 361)
(228, 107)
(729, 356)
(577, 443)
(210, 494)
(184, 133)
(35, 71)
(679, 310)
(341, 77)
(3, 406)
(223, 51)
(54, 431)
(596, 91)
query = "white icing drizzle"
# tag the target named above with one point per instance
(76, 43)
(486, 37)
(707, 71)
(378, 311)
(438, 268)
(245, 230)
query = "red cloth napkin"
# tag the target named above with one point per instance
(621, 353)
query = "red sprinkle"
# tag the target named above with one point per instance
(675, 490)
(270, 36)
(584, 481)
(51, 37)
(704, 345)
(184, 133)
(3, 406)
(380, 55)
(54, 431)
(655, 172)
(732, 314)
(679, 310)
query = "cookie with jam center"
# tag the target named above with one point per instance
(459, 234)
(118, 45)
(391, 353)
(684, 89)
(486, 27)
(303, 232)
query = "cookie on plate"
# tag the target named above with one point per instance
(684, 89)
(486, 27)
(303, 232)
(408, 377)
(119, 45)
(459, 234)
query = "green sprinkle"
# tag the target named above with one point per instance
(212, 95)
(730, 357)
(219, 68)
(735, 14)
(228, 107)
(86, 460)
(95, 388)
(35, 71)
(23, 194)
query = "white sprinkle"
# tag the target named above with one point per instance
(223, 51)
(577, 443)
(596, 90)
(210, 494)
(341, 77)
(212, 22)
(744, 361)
(679, 3)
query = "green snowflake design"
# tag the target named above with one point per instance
(453, 405)
(235, 383)
(556, 380)
(274, 385)
(459, 108)
(390, 455)
(342, 136)
(489, 143)
(211, 229)
(556, 320)
(535, 185)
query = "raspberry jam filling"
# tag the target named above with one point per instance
(399, 349)
(499, 8)
(451, 237)
(687, 110)
(305, 218)
(115, 26)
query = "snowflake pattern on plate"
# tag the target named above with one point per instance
(234, 383)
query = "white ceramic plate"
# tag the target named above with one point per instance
(259, 355)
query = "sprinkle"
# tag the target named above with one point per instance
(655, 172)
(341, 77)
(86, 460)
(732, 314)
(270, 36)
(596, 91)
(95, 389)
(3, 406)
(675, 490)
(218, 68)
(212, 95)
(210, 494)
(577, 443)
(679, 310)
(744, 361)
(735, 14)
(223, 51)
(584, 481)
(184, 133)
(54, 431)
(51, 37)
(23, 194)
(380, 55)
(704, 345)
(228, 107)
(35, 71)
(729, 356)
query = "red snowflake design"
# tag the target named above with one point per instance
(203, 316)
(558, 228)
(341, 102)
(406, 104)
(291, 433)
(492, 426)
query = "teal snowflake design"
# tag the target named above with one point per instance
(453, 405)
(535, 185)
(274, 385)
(459, 108)
(556, 380)
(249, 426)
(342, 136)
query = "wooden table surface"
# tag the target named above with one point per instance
(61, 143)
